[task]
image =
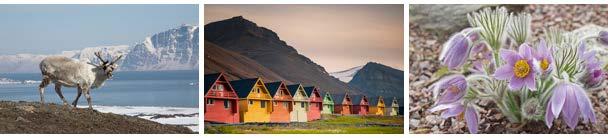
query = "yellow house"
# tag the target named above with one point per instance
(254, 100)
(376, 106)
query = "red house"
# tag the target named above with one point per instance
(316, 101)
(344, 104)
(361, 105)
(220, 100)
(281, 102)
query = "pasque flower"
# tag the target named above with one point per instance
(544, 58)
(452, 89)
(593, 71)
(519, 69)
(572, 102)
(456, 51)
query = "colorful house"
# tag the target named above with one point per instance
(344, 104)
(281, 102)
(328, 104)
(299, 112)
(377, 106)
(220, 100)
(361, 105)
(315, 102)
(393, 109)
(254, 100)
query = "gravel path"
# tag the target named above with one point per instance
(424, 50)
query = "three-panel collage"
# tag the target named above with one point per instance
(302, 67)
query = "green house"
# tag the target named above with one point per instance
(328, 103)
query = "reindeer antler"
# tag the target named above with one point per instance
(98, 54)
(116, 59)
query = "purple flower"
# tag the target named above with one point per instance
(603, 37)
(544, 58)
(572, 102)
(593, 70)
(519, 69)
(455, 52)
(453, 89)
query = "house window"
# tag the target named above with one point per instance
(218, 87)
(209, 101)
(226, 104)
(285, 104)
(258, 89)
(250, 102)
(274, 103)
(302, 104)
(263, 104)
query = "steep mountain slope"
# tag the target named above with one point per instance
(346, 75)
(264, 46)
(379, 80)
(175, 49)
(234, 65)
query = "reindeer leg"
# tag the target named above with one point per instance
(44, 83)
(87, 93)
(77, 96)
(58, 90)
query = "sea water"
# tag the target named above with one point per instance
(130, 93)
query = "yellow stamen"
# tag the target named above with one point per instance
(521, 68)
(544, 64)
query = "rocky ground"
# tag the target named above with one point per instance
(424, 50)
(28, 117)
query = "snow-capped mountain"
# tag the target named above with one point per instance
(346, 75)
(175, 49)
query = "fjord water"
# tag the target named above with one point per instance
(148, 88)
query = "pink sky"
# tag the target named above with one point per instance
(337, 37)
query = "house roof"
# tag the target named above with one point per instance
(323, 94)
(293, 89)
(210, 80)
(357, 98)
(244, 86)
(374, 100)
(339, 98)
(309, 90)
(273, 87)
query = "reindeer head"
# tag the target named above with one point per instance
(106, 66)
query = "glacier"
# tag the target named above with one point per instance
(174, 49)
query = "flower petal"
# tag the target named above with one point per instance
(585, 105)
(570, 110)
(440, 107)
(454, 111)
(516, 83)
(510, 56)
(470, 116)
(549, 115)
(504, 72)
(558, 98)
(525, 51)
(530, 82)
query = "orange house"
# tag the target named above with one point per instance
(343, 105)
(281, 102)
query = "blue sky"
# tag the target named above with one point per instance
(50, 29)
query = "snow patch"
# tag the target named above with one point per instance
(346, 75)
(183, 116)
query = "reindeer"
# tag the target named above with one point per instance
(68, 72)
